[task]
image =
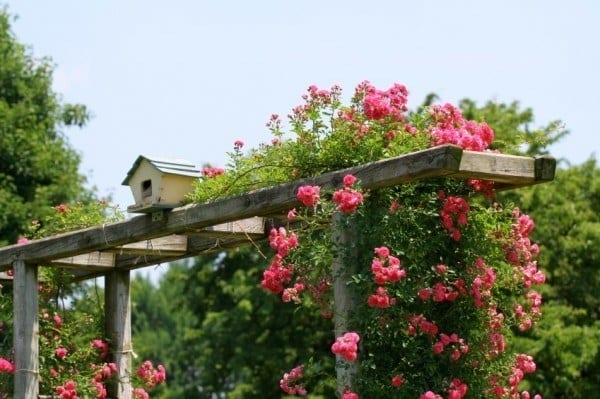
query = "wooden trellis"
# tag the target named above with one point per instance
(113, 249)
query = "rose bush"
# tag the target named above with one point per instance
(440, 272)
(74, 356)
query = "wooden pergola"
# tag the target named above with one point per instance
(114, 249)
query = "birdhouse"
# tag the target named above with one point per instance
(159, 183)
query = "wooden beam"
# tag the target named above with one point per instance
(26, 330)
(500, 168)
(433, 162)
(118, 331)
(169, 245)
(93, 261)
(196, 246)
(436, 161)
(250, 228)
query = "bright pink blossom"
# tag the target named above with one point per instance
(290, 382)
(308, 195)
(61, 353)
(380, 299)
(346, 346)
(140, 393)
(101, 392)
(458, 389)
(420, 324)
(103, 346)
(391, 103)
(454, 214)
(57, 320)
(430, 395)
(390, 273)
(150, 375)
(210, 172)
(347, 199)
(281, 241)
(277, 275)
(68, 390)
(349, 180)
(6, 366)
(451, 128)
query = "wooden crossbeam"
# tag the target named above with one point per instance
(169, 245)
(93, 261)
(434, 162)
(250, 228)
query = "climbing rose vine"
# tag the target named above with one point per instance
(439, 273)
(74, 355)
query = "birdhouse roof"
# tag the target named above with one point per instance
(174, 166)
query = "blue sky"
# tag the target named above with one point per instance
(187, 78)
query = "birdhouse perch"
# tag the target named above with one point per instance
(159, 183)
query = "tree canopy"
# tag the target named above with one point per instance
(38, 167)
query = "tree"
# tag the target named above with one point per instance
(223, 334)
(567, 341)
(38, 167)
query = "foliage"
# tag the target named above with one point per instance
(512, 132)
(74, 358)
(233, 338)
(564, 343)
(567, 342)
(38, 167)
(462, 256)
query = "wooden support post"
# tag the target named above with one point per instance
(344, 266)
(26, 330)
(118, 330)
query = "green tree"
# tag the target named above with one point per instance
(219, 333)
(38, 167)
(566, 343)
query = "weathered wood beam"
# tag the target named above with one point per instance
(169, 245)
(196, 246)
(434, 162)
(93, 261)
(26, 330)
(498, 167)
(251, 228)
(118, 331)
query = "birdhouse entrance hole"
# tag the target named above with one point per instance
(146, 189)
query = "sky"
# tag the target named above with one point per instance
(187, 78)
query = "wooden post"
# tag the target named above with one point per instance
(118, 330)
(343, 267)
(26, 330)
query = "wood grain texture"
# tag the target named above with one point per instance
(250, 228)
(118, 331)
(93, 261)
(169, 245)
(497, 167)
(26, 330)
(344, 298)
